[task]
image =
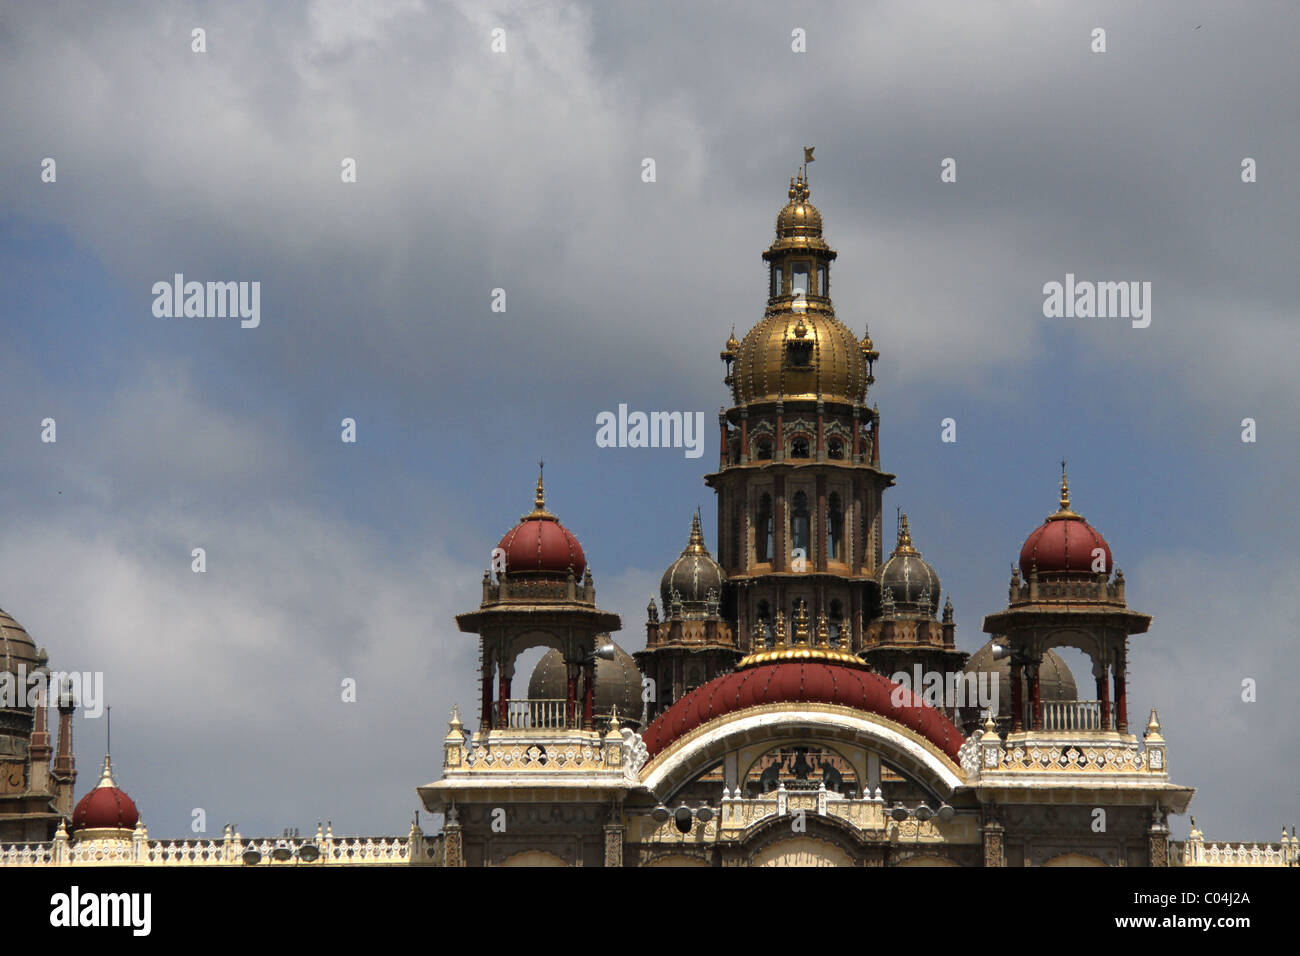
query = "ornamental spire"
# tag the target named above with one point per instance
(539, 499)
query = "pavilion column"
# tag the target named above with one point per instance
(857, 433)
(503, 694)
(821, 430)
(1121, 695)
(588, 694)
(780, 431)
(821, 552)
(485, 713)
(1035, 696)
(744, 436)
(1103, 693)
(1017, 698)
(571, 693)
(779, 562)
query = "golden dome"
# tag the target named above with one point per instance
(777, 363)
(799, 223)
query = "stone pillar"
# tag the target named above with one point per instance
(994, 854)
(744, 436)
(857, 429)
(588, 694)
(453, 844)
(504, 673)
(614, 844)
(1121, 697)
(1158, 839)
(571, 694)
(778, 452)
(1103, 693)
(485, 714)
(723, 457)
(821, 430)
(1017, 697)
(1035, 697)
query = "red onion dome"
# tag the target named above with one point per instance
(539, 543)
(106, 807)
(1064, 543)
(800, 682)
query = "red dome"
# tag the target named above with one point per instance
(1063, 546)
(543, 544)
(105, 808)
(800, 682)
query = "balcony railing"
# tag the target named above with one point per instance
(1070, 715)
(536, 713)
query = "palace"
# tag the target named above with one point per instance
(758, 726)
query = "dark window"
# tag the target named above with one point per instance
(776, 281)
(800, 353)
(835, 449)
(763, 530)
(822, 287)
(765, 449)
(834, 528)
(799, 448)
(799, 524)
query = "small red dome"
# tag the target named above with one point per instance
(800, 682)
(1063, 545)
(540, 543)
(105, 808)
(543, 544)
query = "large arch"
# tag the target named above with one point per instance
(684, 758)
(1073, 859)
(801, 850)
(534, 858)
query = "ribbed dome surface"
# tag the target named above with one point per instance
(106, 807)
(766, 370)
(909, 577)
(693, 574)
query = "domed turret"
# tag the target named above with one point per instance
(907, 582)
(1065, 544)
(106, 807)
(539, 544)
(694, 578)
(618, 682)
(799, 351)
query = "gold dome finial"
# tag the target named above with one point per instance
(696, 543)
(732, 344)
(904, 545)
(1064, 510)
(539, 499)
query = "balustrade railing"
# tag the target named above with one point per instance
(1067, 715)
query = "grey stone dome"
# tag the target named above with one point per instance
(693, 575)
(912, 583)
(1055, 682)
(618, 682)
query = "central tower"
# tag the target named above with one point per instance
(799, 484)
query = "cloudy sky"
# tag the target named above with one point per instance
(521, 170)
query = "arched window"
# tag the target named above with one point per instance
(765, 449)
(835, 449)
(834, 528)
(799, 448)
(800, 525)
(763, 530)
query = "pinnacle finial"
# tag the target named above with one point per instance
(1065, 488)
(539, 499)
